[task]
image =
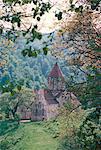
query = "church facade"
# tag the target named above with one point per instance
(48, 101)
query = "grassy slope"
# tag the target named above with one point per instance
(30, 136)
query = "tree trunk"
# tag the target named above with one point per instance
(14, 110)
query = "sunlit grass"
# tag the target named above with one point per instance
(30, 136)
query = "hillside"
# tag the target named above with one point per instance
(32, 71)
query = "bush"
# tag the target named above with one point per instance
(69, 143)
(9, 142)
(52, 127)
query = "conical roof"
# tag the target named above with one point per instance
(56, 72)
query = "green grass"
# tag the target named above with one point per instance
(27, 136)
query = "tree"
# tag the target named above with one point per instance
(89, 133)
(80, 43)
(9, 103)
(13, 14)
(81, 40)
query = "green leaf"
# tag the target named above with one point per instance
(35, 26)
(38, 18)
(81, 8)
(60, 30)
(98, 49)
(13, 92)
(19, 87)
(35, 14)
(35, 2)
(29, 53)
(34, 54)
(72, 6)
(39, 36)
(70, 1)
(24, 52)
(18, 23)
(60, 16)
(45, 50)
(36, 34)
(77, 10)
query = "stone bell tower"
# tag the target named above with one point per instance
(56, 80)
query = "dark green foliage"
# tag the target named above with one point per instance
(45, 50)
(94, 6)
(19, 87)
(90, 131)
(7, 85)
(35, 26)
(1, 30)
(30, 53)
(36, 34)
(91, 96)
(38, 18)
(9, 1)
(94, 45)
(7, 128)
(9, 102)
(17, 1)
(52, 127)
(69, 143)
(76, 9)
(8, 125)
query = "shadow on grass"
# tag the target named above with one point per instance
(8, 126)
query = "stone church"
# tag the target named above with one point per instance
(48, 101)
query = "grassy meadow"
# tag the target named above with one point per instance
(26, 136)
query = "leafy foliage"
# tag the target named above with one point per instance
(9, 103)
(91, 97)
(15, 19)
(52, 127)
(89, 133)
(59, 15)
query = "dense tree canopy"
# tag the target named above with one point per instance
(9, 102)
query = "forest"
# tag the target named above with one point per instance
(34, 36)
